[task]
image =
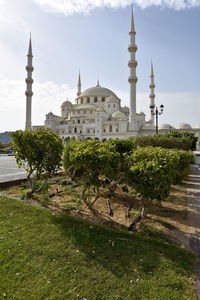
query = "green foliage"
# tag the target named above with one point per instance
(183, 168)
(163, 140)
(39, 151)
(92, 158)
(189, 135)
(69, 144)
(148, 171)
(151, 171)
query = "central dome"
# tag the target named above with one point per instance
(97, 91)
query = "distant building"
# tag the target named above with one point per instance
(97, 112)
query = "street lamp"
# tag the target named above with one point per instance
(156, 112)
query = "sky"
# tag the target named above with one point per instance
(92, 35)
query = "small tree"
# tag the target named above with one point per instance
(151, 174)
(92, 161)
(38, 152)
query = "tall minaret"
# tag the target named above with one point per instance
(79, 84)
(152, 94)
(132, 78)
(29, 93)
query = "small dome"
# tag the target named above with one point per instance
(67, 103)
(112, 99)
(142, 113)
(86, 106)
(147, 126)
(125, 109)
(97, 91)
(165, 126)
(197, 126)
(50, 114)
(183, 126)
(119, 115)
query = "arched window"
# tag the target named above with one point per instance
(81, 100)
(116, 129)
(88, 100)
(103, 99)
(95, 99)
(75, 130)
(110, 128)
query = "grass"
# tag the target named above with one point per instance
(49, 256)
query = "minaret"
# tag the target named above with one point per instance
(132, 78)
(79, 84)
(152, 94)
(29, 82)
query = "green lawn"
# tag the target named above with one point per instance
(48, 256)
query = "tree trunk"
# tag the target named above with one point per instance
(141, 216)
(83, 198)
(110, 211)
(130, 206)
(96, 196)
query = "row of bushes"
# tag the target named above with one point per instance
(175, 140)
(146, 171)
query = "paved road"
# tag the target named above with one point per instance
(9, 169)
(193, 194)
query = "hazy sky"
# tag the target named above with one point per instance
(92, 35)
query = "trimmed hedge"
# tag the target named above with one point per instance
(164, 141)
(150, 171)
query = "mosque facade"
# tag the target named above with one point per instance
(98, 113)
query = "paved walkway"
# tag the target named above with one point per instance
(9, 170)
(193, 192)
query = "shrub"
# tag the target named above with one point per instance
(39, 152)
(183, 168)
(189, 135)
(151, 172)
(92, 159)
(164, 141)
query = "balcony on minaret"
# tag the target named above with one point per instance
(132, 48)
(152, 86)
(132, 63)
(152, 96)
(29, 68)
(29, 80)
(132, 79)
(29, 93)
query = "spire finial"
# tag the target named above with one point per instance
(98, 81)
(152, 72)
(79, 78)
(132, 29)
(79, 84)
(30, 47)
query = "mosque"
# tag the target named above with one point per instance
(98, 113)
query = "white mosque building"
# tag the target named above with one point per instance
(97, 112)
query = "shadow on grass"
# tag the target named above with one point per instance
(116, 251)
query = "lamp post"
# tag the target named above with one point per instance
(156, 112)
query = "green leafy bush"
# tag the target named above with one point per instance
(92, 159)
(151, 172)
(164, 141)
(38, 152)
(189, 135)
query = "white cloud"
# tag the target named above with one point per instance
(69, 7)
(48, 96)
(10, 20)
